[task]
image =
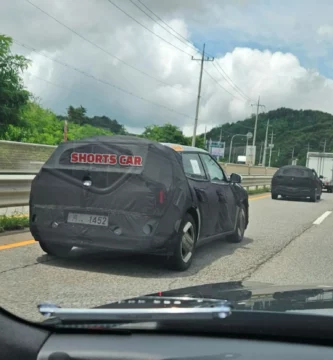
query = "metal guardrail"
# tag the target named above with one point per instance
(20, 162)
(15, 188)
(256, 181)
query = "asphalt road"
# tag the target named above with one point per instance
(282, 246)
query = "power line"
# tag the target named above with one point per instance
(230, 82)
(180, 35)
(145, 27)
(186, 42)
(103, 81)
(222, 86)
(171, 28)
(54, 84)
(48, 81)
(104, 50)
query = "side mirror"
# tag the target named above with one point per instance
(235, 178)
(321, 177)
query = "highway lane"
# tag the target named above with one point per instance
(28, 276)
(307, 259)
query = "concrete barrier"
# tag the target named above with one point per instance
(248, 170)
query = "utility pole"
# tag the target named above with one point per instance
(209, 144)
(221, 135)
(260, 160)
(265, 145)
(220, 142)
(323, 143)
(258, 105)
(65, 131)
(292, 155)
(270, 150)
(203, 59)
(205, 136)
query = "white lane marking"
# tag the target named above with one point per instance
(322, 218)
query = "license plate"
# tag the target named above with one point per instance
(88, 219)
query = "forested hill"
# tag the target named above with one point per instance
(292, 129)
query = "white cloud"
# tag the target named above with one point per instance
(278, 77)
(325, 31)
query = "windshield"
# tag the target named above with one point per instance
(149, 147)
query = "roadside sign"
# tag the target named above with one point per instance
(217, 151)
(251, 155)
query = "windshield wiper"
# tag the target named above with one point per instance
(143, 309)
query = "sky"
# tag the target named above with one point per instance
(132, 60)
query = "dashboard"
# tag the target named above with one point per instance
(158, 347)
(23, 340)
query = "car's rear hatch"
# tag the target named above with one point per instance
(107, 190)
(97, 173)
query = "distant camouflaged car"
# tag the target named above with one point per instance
(295, 181)
(130, 194)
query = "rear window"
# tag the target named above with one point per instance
(112, 161)
(296, 172)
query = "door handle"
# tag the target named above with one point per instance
(202, 196)
(221, 196)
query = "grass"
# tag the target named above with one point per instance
(13, 222)
(262, 190)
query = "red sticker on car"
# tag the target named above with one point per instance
(106, 159)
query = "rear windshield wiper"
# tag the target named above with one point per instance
(143, 309)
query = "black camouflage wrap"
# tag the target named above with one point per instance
(294, 181)
(156, 193)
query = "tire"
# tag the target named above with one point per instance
(274, 196)
(238, 235)
(313, 198)
(187, 235)
(54, 249)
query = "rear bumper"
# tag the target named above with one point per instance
(296, 192)
(132, 239)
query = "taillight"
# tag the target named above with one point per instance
(161, 197)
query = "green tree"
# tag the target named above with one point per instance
(76, 115)
(106, 123)
(76, 132)
(199, 141)
(13, 95)
(42, 126)
(166, 133)
(295, 130)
